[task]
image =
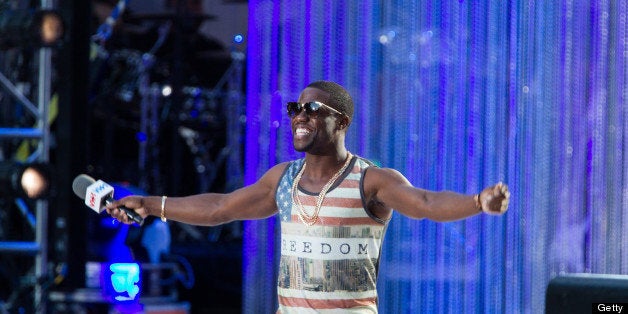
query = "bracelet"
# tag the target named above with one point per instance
(163, 208)
(478, 204)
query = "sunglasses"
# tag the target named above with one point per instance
(311, 108)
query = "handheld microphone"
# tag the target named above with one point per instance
(98, 194)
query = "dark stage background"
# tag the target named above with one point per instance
(154, 107)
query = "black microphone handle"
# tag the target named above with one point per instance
(129, 212)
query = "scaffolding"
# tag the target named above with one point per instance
(41, 132)
(38, 106)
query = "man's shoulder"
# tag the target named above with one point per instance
(275, 173)
(381, 175)
(366, 162)
(278, 169)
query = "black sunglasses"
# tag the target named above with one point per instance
(311, 108)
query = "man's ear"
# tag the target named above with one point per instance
(343, 122)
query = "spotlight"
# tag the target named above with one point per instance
(50, 27)
(24, 180)
(35, 28)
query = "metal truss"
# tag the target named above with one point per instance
(41, 132)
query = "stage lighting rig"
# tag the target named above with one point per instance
(30, 28)
(31, 181)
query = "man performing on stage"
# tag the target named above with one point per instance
(334, 208)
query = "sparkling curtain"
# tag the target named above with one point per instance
(458, 95)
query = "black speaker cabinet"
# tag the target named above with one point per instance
(587, 293)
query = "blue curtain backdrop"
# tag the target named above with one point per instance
(458, 95)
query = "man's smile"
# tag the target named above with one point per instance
(301, 132)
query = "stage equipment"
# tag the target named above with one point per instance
(129, 268)
(36, 28)
(124, 288)
(24, 180)
(580, 293)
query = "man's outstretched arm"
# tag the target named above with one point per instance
(255, 201)
(391, 188)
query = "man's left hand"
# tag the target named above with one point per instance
(494, 199)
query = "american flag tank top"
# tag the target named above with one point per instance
(331, 266)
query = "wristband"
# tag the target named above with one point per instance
(163, 208)
(478, 204)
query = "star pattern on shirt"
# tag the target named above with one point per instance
(284, 191)
(284, 202)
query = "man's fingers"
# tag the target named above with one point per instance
(112, 211)
(505, 203)
(506, 200)
(498, 199)
(119, 215)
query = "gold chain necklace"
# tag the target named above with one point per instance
(305, 218)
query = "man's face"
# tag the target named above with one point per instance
(314, 133)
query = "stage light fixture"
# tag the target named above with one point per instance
(34, 28)
(24, 180)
